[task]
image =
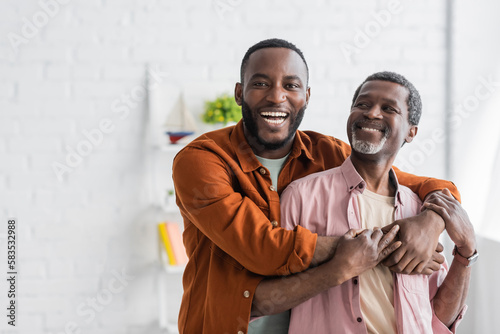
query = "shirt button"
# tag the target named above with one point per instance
(359, 319)
(262, 170)
(274, 223)
(355, 281)
(240, 332)
(272, 188)
(361, 186)
(246, 294)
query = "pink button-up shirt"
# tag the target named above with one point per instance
(326, 203)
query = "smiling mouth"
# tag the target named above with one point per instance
(370, 129)
(274, 117)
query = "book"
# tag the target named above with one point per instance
(165, 241)
(175, 237)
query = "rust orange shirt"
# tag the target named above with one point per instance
(231, 216)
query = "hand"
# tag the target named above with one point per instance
(419, 236)
(435, 262)
(360, 250)
(456, 220)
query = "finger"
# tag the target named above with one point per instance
(395, 257)
(439, 247)
(430, 268)
(377, 234)
(388, 237)
(411, 266)
(442, 199)
(447, 192)
(438, 258)
(388, 250)
(436, 199)
(387, 228)
(365, 233)
(427, 271)
(434, 266)
(437, 208)
(419, 269)
(433, 196)
(359, 231)
(350, 234)
(403, 263)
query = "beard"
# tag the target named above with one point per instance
(250, 121)
(366, 147)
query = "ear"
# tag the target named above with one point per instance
(308, 94)
(412, 132)
(238, 93)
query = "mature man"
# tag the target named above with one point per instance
(228, 184)
(363, 193)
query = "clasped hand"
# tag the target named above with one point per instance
(361, 250)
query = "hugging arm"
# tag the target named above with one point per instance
(450, 297)
(356, 252)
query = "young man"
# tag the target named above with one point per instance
(358, 199)
(228, 184)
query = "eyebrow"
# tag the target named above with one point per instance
(391, 101)
(293, 77)
(265, 76)
(258, 75)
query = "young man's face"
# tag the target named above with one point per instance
(273, 97)
(378, 124)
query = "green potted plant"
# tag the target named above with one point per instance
(222, 110)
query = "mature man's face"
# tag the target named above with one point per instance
(378, 124)
(273, 97)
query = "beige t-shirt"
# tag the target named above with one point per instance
(376, 285)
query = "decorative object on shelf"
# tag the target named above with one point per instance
(222, 110)
(171, 239)
(169, 200)
(180, 123)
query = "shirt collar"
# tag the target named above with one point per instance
(354, 181)
(248, 160)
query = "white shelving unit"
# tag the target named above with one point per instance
(162, 99)
(169, 277)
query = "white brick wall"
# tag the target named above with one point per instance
(64, 79)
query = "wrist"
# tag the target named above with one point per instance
(438, 223)
(336, 272)
(467, 261)
(466, 250)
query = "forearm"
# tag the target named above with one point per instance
(355, 252)
(325, 248)
(278, 294)
(451, 295)
(275, 295)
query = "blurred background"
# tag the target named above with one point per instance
(85, 168)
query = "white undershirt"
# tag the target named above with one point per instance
(377, 284)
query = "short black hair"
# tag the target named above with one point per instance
(270, 43)
(414, 101)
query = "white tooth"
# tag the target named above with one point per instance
(370, 129)
(274, 121)
(273, 114)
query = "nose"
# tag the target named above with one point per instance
(373, 113)
(276, 94)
